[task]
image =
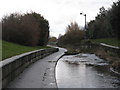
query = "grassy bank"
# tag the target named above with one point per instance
(110, 41)
(11, 49)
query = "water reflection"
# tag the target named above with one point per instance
(84, 71)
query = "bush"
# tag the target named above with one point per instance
(73, 35)
(25, 29)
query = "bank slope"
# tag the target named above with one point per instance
(109, 41)
(11, 49)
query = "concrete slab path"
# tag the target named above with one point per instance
(40, 74)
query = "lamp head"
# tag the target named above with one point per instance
(81, 13)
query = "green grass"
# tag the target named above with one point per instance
(109, 41)
(11, 49)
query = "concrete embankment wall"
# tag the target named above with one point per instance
(92, 48)
(13, 66)
(111, 49)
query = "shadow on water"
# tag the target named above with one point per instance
(85, 71)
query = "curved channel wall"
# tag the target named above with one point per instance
(13, 66)
(91, 48)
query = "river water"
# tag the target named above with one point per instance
(85, 71)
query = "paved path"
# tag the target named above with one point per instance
(41, 74)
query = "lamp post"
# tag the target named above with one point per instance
(85, 22)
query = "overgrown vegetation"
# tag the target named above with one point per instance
(30, 29)
(12, 49)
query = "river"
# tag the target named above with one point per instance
(85, 71)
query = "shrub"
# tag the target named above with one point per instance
(25, 29)
(73, 35)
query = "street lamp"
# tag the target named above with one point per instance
(85, 22)
(85, 19)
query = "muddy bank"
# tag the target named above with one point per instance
(111, 57)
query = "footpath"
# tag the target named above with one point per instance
(40, 74)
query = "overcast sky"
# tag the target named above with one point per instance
(59, 13)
